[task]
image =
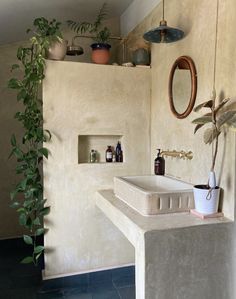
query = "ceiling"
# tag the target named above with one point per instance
(17, 15)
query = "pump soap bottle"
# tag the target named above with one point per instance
(119, 153)
(159, 164)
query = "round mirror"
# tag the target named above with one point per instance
(182, 86)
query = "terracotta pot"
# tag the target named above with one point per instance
(100, 53)
(57, 50)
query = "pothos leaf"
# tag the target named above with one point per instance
(45, 211)
(14, 66)
(27, 260)
(13, 140)
(40, 231)
(22, 219)
(44, 152)
(38, 249)
(28, 240)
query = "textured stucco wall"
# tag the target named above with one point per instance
(168, 132)
(190, 263)
(197, 18)
(94, 100)
(135, 13)
(9, 226)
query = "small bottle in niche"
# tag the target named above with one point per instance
(119, 153)
(109, 154)
(159, 164)
(93, 156)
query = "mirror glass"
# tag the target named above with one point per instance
(181, 89)
(182, 86)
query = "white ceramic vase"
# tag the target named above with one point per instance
(57, 50)
(206, 200)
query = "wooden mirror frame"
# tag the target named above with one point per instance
(183, 62)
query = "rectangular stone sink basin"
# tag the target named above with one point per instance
(152, 195)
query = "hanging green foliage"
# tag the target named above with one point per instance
(27, 196)
(101, 33)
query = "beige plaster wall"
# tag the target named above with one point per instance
(197, 18)
(82, 99)
(168, 132)
(9, 226)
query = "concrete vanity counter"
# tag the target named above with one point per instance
(171, 250)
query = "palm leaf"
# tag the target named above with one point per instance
(101, 16)
(210, 134)
(207, 104)
(225, 101)
(225, 118)
(79, 27)
(231, 122)
(198, 127)
(207, 118)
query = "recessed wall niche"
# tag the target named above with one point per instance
(86, 143)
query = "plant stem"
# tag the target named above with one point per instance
(216, 138)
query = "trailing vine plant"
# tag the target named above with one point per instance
(27, 197)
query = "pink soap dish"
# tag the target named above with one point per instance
(205, 216)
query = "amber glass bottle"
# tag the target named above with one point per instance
(109, 154)
(159, 164)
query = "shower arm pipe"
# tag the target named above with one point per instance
(91, 36)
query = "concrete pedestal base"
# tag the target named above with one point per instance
(177, 256)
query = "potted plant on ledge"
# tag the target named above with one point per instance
(50, 34)
(207, 196)
(99, 33)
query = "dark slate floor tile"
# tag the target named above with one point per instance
(76, 281)
(19, 281)
(104, 286)
(125, 271)
(127, 292)
(27, 281)
(25, 269)
(100, 277)
(28, 293)
(55, 294)
(124, 281)
(106, 294)
(80, 296)
(5, 281)
(51, 284)
(77, 293)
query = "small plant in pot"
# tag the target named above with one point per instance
(99, 33)
(207, 196)
(50, 33)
